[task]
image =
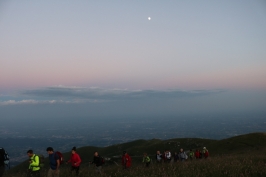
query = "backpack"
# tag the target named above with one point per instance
(60, 155)
(4, 158)
(185, 155)
(41, 160)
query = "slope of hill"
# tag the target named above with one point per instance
(222, 152)
(239, 144)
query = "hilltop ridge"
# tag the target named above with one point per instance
(234, 146)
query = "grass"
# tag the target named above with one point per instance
(248, 165)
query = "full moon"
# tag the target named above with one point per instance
(149, 18)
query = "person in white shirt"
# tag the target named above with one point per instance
(168, 156)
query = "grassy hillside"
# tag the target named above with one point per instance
(239, 144)
(237, 156)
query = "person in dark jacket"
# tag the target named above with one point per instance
(74, 160)
(200, 154)
(54, 160)
(2, 170)
(176, 157)
(2, 162)
(98, 161)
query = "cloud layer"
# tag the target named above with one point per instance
(66, 95)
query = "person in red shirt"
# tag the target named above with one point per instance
(126, 160)
(205, 153)
(75, 161)
(197, 154)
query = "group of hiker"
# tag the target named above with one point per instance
(56, 159)
(181, 156)
(36, 162)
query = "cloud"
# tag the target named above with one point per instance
(23, 102)
(63, 94)
(99, 93)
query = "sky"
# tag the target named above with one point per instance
(109, 53)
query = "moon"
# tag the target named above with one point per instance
(149, 18)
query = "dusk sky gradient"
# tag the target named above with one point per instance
(187, 47)
(186, 44)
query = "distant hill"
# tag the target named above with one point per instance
(238, 146)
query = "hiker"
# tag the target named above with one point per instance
(74, 160)
(191, 154)
(2, 167)
(200, 154)
(168, 156)
(182, 155)
(146, 159)
(98, 161)
(176, 157)
(164, 156)
(34, 164)
(2, 162)
(126, 160)
(197, 154)
(205, 152)
(158, 157)
(54, 160)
